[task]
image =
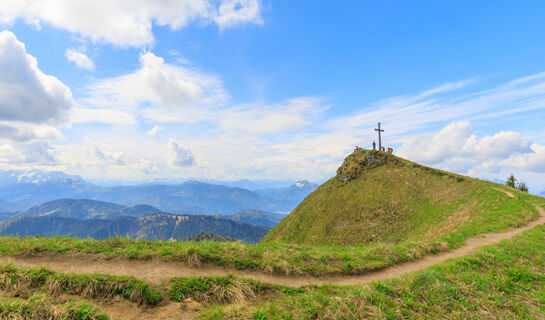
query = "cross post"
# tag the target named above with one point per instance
(379, 138)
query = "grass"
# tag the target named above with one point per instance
(380, 198)
(221, 290)
(40, 306)
(23, 281)
(288, 259)
(505, 281)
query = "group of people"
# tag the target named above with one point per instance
(389, 150)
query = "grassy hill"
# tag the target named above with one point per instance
(380, 198)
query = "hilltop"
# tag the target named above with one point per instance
(380, 198)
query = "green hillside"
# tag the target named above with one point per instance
(380, 198)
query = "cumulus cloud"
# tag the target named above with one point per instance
(80, 59)
(457, 140)
(178, 155)
(35, 153)
(159, 84)
(531, 161)
(148, 167)
(22, 132)
(124, 22)
(234, 12)
(154, 132)
(26, 93)
(457, 148)
(116, 158)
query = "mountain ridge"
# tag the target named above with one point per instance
(159, 226)
(21, 190)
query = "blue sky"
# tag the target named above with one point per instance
(137, 91)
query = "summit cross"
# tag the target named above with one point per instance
(379, 137)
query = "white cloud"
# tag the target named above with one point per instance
(293, 115)
(502, 144)
(234, 12)
(22, 132)
(178, 155)
(34, 153)
(154, 132)
(116, 158)
(26, 93)
(456, 139)
(159, 84)
(456, 148)
(532, 161)
(127, 22)
(148, 167)
(80, 59)
(101, 115)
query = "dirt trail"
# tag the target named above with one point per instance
(157, 271)
(507, 193)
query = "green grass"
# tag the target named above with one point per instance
(40, 306)
(292, 259)
(22, 281)
(380, 198)
(506, 281)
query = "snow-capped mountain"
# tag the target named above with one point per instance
(19, 190)
(39, 177)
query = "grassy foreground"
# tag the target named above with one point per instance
(278, 258)
(501, 214)
(505, 281)
(40, 306)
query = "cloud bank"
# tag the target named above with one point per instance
(128, 23)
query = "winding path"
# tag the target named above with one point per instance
(156, 270)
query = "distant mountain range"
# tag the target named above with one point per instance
(85, 209)
(99, 219)
(160, 226)
(292, 195)
(260, 218)
(19, 190)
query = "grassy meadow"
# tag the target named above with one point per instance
(504, 281)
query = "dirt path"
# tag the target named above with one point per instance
(507, 193)
(158, 271)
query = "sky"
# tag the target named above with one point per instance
(141, 91)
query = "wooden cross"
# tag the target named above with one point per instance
(379, 138)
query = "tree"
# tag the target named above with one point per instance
(522, 187)
(511, 181)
